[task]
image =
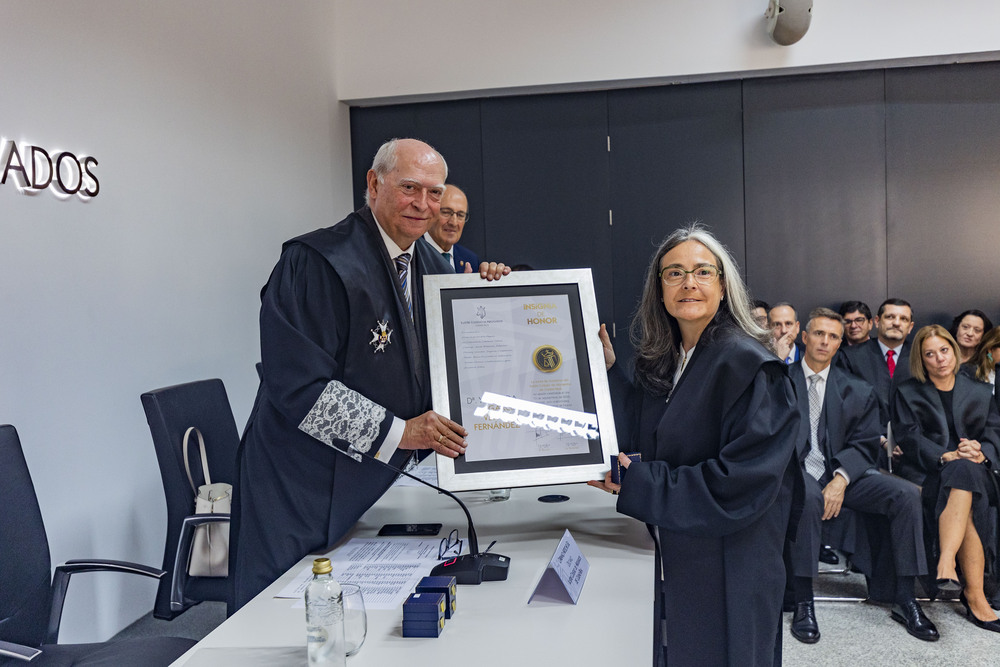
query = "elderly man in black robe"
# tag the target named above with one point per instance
(344, 370)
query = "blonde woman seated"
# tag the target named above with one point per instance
(948, 428)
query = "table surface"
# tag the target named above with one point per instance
(494, 624)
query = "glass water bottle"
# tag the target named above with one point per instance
(325, 617)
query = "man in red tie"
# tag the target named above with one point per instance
(883, 362)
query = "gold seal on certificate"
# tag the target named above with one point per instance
(547, 358)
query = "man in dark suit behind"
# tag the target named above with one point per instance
(837, 446)
(883, 362)
(446, 230)
(784, 324)
(857, 322)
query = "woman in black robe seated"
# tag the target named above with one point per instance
(714, 417)
(948, 428)
(984, 366)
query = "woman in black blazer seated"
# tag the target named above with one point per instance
(949, 429)
(984, 366)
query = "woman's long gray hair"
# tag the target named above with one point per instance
(655, 333)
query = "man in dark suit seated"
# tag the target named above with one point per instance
(857, 322)
(784, 324)
(446, 230)
(883, 362)
(837, 446)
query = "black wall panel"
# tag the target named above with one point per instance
(858, 185)
(676, 157)
(943, 156)
(453, 128)
(545, 170)
(815, 189)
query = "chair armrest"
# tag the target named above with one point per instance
(18, 652)
(60, 582)
(183, 554)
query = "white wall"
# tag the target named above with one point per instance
(218, 136)
(491, 47)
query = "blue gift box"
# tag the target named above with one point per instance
(617, 471)
(446, 585)
(425, 607)
(422, 628)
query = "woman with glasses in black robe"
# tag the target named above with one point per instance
(713, 414)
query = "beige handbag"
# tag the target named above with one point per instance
(210, 547)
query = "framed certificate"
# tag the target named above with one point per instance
(519, 364)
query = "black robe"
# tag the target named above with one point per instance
(920, 427)
(716, 479)
(325, 386)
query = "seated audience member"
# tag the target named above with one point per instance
(446, 229)
(759, 311)
(948, 428)
(784, 325)
(837, 446)
(984, 366)
(857, 322)
(882, 361)
(967, 329)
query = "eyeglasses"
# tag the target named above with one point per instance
(450, 546)
(856, 320)
(461, 216)
(674, 275)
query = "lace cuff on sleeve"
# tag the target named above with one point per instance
(344, 414)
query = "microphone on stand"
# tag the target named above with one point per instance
(471, 568)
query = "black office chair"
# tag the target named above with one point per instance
(30, 605)
(170, 411)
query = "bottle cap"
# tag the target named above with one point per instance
(322, 566)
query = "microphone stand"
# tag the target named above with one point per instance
(471, 568)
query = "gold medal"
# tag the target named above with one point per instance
(547, 359)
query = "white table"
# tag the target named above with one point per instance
(494, 624)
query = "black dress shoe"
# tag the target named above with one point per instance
(804, 625)
(993, 626)
(917, 624)
(828, 555)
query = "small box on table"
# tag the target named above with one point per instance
(423, 614)
(424, 607)
(446, 585)
(422, 628)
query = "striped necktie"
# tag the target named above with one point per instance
(815, 463)
(403, 268)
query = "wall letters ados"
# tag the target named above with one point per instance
(33, 169)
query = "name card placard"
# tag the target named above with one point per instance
(565, 574)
